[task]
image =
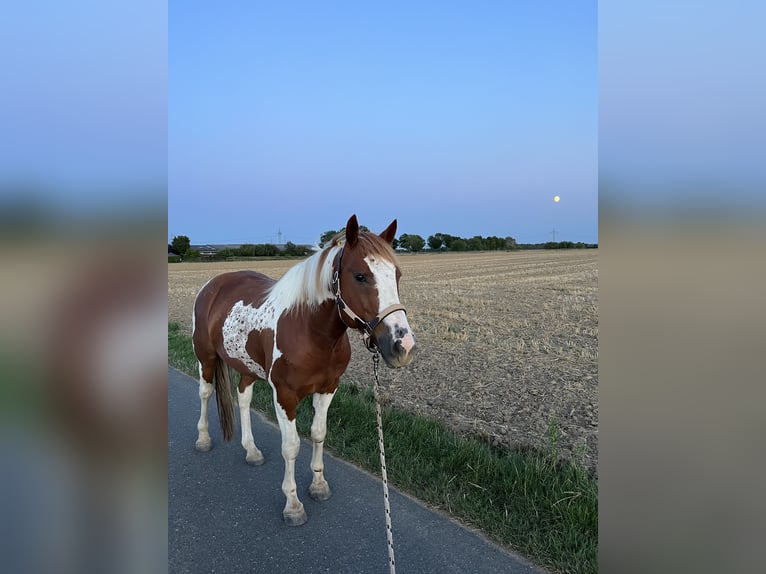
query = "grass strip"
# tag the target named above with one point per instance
(526, 499)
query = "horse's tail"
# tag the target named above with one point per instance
(224, 399)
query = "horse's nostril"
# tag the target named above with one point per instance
(398, 347)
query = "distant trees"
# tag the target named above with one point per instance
(435, 242)
(255, 250)
(180, 244)
(328, 235)
(568, 245)
(412, 243)
(293, 250)
(457, 244)
(559, 245)
(447, 242)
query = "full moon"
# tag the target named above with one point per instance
(556, 199)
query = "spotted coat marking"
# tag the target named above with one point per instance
(243, 320)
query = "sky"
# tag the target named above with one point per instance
(286, 118)
(681, 122)
(83, 105)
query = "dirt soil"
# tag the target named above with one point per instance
(508, 342)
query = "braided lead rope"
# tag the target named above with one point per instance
(389, 531)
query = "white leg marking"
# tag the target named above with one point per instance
(319, 488)
(294, 514)
(253, 456)
(205, 391)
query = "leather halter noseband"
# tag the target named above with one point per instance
(366, 327)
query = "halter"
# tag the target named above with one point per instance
(366, 327)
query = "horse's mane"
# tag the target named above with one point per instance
(308, 283)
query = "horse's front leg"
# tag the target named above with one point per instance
(294, 514)
(319, 489)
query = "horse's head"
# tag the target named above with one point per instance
(368, 275)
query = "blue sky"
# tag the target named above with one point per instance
(451, 117)
(83, 105)
(681, 93)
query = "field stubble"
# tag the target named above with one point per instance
(508, 342)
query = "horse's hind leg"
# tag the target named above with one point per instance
(206, 371)
(319, 489)
(245, 395)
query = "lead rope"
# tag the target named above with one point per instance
(389, 531)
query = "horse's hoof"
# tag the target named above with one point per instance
(297, 519)
(320, 492)
(254, 459)
(203, 445)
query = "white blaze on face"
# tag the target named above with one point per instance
(388, 294)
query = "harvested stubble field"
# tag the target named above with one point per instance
(508, 342)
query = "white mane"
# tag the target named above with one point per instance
(306, 283)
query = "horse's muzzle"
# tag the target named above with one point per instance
(397, 347)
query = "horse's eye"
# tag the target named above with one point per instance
(360, 277)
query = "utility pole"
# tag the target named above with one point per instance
(279, 234)
(554, 235)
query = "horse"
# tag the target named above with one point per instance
(292, 333)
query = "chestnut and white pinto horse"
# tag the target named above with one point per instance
(292, 333)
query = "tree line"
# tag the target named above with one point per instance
(410, 242)
(181, 246)
(437, 242)
(445, 242)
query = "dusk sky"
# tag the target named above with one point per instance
(451, 117)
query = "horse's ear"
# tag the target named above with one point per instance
(352, 231)
(389, 233)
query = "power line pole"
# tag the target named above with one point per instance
(279, 234)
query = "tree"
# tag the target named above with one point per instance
(493, 243)
(417, 243)
(247, 250)
(458, 244)
(448, 240)
(270, 250)
(291, 249)
(180, 244)
(475, 243)
(435, 242)
(412, 243)
(326, 237)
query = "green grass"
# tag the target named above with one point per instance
(529, 500)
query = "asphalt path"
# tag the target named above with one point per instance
(226, 516)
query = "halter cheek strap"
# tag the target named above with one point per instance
(356, 321)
